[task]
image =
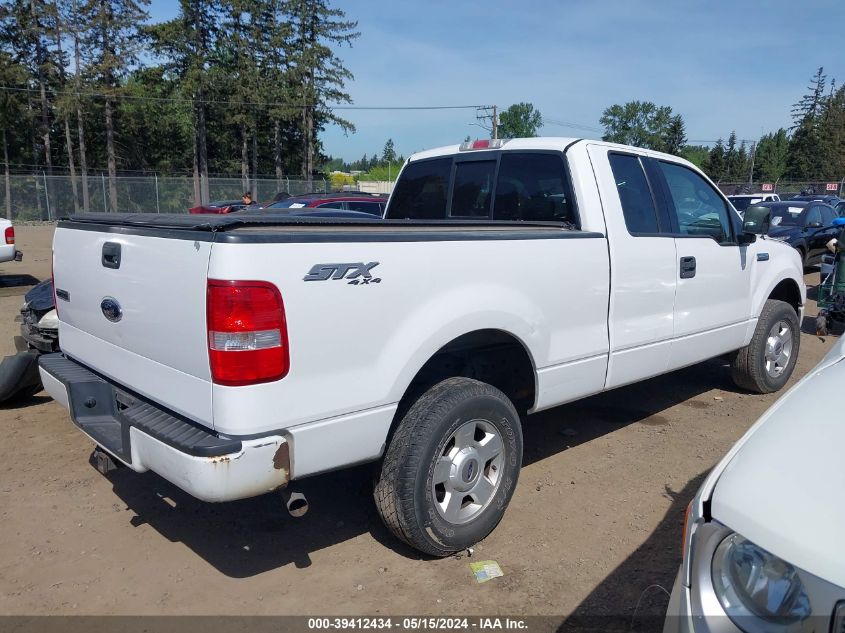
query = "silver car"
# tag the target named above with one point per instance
(764, 537)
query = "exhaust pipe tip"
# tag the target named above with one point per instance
(296, 503)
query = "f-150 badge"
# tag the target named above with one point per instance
(355, 273)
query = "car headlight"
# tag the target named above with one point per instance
(759, 591)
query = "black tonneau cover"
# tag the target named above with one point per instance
(282, 227)
(229, 221)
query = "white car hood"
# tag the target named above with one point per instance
(784, 488)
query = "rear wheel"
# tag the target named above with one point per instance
(766, 363)
(451, 468)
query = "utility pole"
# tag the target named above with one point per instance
(751, 171)
(484, 113)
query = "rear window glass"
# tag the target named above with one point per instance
(533, 187)
(473, 189)
(634, 194)
(422, 190)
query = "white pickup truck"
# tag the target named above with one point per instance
(234, 354)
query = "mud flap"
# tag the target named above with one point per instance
(19, 375)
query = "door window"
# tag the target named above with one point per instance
(814, 216)
(634, 194)
(828, 216)
(362, 205)
(700, 211)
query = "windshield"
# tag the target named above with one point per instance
(741, 203)
(786, 216)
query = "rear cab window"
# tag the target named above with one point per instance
(504, 186)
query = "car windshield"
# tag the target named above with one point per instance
(785, 216)
(741, 203)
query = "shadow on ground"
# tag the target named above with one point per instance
(245, 538)
(11, 285)
(635, 595)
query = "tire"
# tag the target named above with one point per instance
(444, 449)
(766, 363)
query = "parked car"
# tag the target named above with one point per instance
(347, 200)
(827, 199)
(742, 201)
(840, 208)
(806, 226)
(762, 548)
(420, 341)
(218, 207)
(39, 334)
(8, 252)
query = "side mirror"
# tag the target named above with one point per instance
(755, 220)
(814, 225)
(746, 238)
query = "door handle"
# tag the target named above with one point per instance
(111, 255)
(687, 267)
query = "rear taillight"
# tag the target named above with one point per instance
(247, 333)
(10, 235)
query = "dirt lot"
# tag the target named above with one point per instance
(595, 521)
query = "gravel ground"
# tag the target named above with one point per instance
(595, 521)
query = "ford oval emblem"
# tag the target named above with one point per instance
(111, 309)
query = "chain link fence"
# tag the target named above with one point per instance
(42, 197)
(35, 197)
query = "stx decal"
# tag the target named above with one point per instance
(357, 273)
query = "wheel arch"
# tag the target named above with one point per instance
(492, 355)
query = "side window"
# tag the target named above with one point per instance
(827, 216)
(634, 194)
(366, 207)
(534, 187)
(330, 205)
(814, 216)
(699, 209)
(422, 191)
(473, 189)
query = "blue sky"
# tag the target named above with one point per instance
(722, 64)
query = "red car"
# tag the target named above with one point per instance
(348, 201)
(219, 206)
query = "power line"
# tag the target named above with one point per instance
(102, 95)
(574, 126)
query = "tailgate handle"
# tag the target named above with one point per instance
(111, 255)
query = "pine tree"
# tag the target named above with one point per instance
(319, 73)
(389, 153)
(12, 114)
(676, 136)
(111, 42)
(770, 156)
(804, 161)
(715, 166)
(185, 44)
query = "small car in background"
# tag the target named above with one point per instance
(346, 200)
(762, 545)
(827, 199)
(8, 252)
(742, 201)
(219, 206)
(806, 226)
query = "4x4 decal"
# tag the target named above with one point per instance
(357, 273)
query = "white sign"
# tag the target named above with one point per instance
(767, 186)
(832, 186)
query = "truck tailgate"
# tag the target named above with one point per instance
(140, 323)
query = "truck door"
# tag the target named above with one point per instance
(642, 267)
(713, 298)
